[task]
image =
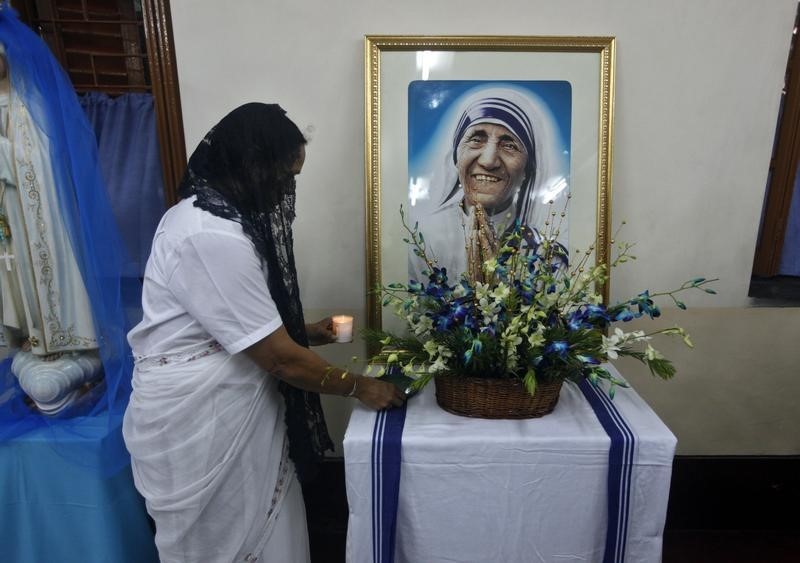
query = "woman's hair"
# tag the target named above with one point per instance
(247, 157)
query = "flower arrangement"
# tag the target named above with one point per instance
(533, 316)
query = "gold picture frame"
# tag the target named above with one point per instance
(393, 63)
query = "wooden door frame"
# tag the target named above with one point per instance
(783, 169)
(166, 93)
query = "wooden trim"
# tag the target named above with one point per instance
(782, 174)
(166, 93)
(132, 43)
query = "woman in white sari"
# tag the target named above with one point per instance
(224, 407)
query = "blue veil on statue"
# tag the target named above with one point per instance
(88, 433)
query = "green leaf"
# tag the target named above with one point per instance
(661, 367)
(709, 290)
(530, 381)
(681, 305)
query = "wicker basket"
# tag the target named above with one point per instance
(495, 398)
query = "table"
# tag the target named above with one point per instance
(54, 510)
(588, 482)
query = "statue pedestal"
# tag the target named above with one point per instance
(54, 384)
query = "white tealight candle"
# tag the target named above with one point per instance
(343, 328)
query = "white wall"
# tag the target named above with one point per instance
(698, 86)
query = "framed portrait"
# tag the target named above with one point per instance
(471, 135)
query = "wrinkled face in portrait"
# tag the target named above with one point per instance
(491, 166)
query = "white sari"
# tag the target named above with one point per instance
(216, 421)
(205, 425)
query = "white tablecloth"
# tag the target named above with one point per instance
(588, 482)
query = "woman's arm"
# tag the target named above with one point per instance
(300, 367)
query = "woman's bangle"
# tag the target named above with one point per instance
(355, 384)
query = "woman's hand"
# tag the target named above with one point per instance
(320, 332)
(377, 394)
(298, 366)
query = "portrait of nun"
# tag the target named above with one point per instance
(483, 155)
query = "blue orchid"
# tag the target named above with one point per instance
(443, 323)
(438, 276)
(624, 315)
(578, 320)
(525, 291)
(476, 348)
(415, 287)
(490, 330)
(646, 305)
(460, 309)
(588, 316)
(558, 348)
(589, 360)
(438, 292)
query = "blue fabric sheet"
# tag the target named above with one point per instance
(55, 510)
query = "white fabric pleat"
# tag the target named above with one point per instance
(207, 442)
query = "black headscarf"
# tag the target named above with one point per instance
(241, 171)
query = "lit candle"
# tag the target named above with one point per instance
(343, 328)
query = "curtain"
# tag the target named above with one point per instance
(128, 149)
(790, 255)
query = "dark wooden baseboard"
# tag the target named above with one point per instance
(734, 493)
(776, 291)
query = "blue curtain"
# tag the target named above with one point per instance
(790, 255)
(128, 152)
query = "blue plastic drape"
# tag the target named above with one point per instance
(52, 104)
